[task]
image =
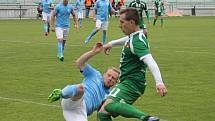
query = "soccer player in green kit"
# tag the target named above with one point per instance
(141, 6)
(159, 11)
(135, 58)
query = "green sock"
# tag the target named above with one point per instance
(154, 21)
(161, 22)
(124, 110)
(104, 117)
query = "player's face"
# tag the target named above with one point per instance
(110, 78)
(126, 26)
(65, 2)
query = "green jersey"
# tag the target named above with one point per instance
(159, 7)
(132, 77)
(131, 65)
(140, 6)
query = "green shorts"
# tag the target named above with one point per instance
(159, 13)
(127, 91)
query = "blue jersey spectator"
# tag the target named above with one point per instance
(81, 100)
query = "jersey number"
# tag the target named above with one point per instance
(114, 92)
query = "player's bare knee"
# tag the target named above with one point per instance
(98, 28)
(80, 88)
(102, 109)
(80, 92)
(60, 40)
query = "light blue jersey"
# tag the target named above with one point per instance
(46, 5)
(102, 8)
(79, 5)
(63, 13)
(94, 90)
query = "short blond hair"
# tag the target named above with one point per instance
(114, 69)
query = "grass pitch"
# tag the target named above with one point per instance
(184, 50)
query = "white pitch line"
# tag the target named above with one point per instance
(43, 43)
(31, 102)
(28, 102)
(75, 45)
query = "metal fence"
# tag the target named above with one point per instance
(18, 11)
(27, 8)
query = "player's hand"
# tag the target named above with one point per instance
(94, 19)
(52, 29)
(98, 48)
(161, 89)
(107, 48)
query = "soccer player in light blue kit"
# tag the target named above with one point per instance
(102, 9)
(62, 13)
(79, 5)
(80, 100)
(47, 7)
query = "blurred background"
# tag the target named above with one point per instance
(28, 8)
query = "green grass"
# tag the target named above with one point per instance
(184, 51)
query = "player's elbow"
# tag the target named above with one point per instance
(77, 63)
(81, 88)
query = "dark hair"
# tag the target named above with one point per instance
(131, 14)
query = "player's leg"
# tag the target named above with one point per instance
(74, 110)
(95, 30)
(162, 21)
(119, 103)
(102, 114)
(65, 36)
(64, 43)
(48, 22)
(87, 12)
(73, 92)
(104, 32)
(125, 110)
(80, 18)
(59, 35)
(45, 23)
(155, 18)
(128, 111)
(104, 28)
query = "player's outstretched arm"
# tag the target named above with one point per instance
(109, 45)
(154, 69)
(75, 20)
(80, 62)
